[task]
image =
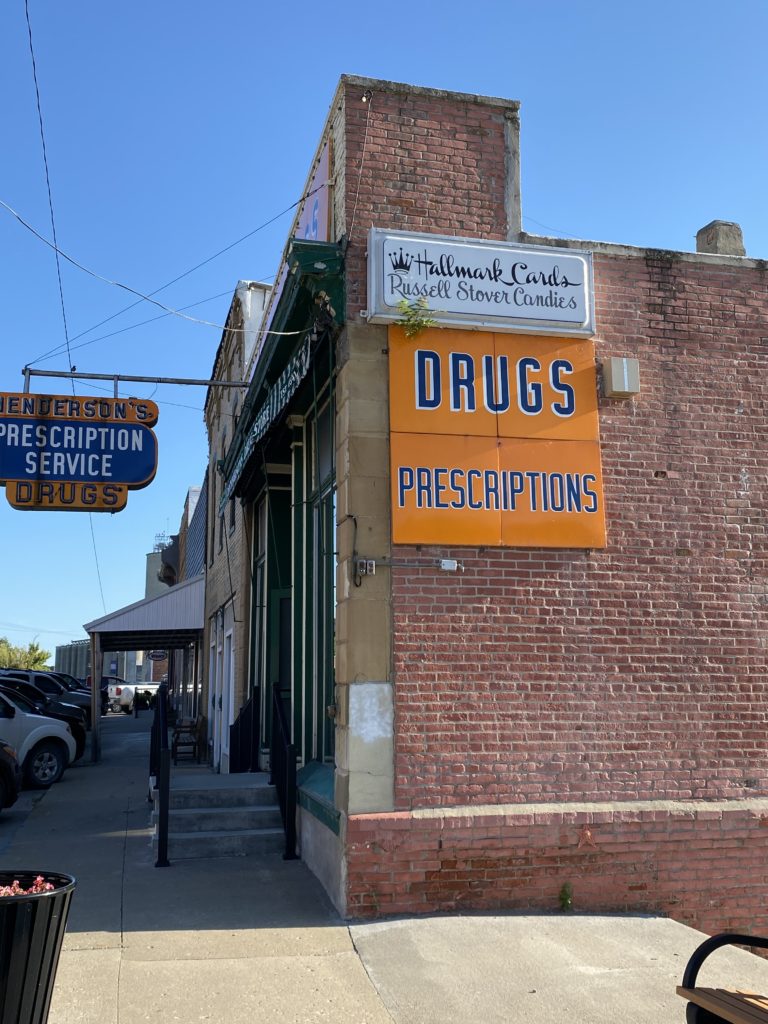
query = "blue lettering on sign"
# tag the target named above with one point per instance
(492, 490)
(466, 374)
(428, 394)
(462, 379)
(404, 484)
(474, 474)
(423, 487)
(440, 488)
(528, 392)
(32, 449)
(458, 487)
(568, 406)
(496, 392)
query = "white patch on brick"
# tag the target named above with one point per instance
(371, 715)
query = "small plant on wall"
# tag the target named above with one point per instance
(415, 317)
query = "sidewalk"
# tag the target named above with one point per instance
(228, 941)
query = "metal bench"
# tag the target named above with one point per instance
(717, 1005)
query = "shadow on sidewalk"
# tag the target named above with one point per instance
(95, 824)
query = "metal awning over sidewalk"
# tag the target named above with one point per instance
(169, 622)
(172, 620)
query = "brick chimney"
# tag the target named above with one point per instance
(722, 237)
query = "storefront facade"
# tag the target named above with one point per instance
(508, 570)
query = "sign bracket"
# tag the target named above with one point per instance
(28, 372)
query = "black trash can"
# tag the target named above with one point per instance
(32, 929)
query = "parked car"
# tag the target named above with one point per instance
(10, 775)
(45, 746)
(75, 685)
(124, 696)
(71, 682)
(38, 697)
(104, 689)
(51, 686)
(42, 705)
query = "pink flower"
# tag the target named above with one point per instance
(15, 889)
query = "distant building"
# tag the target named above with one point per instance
(75, 659)
(227, 587)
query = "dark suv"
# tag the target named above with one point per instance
(51, 686)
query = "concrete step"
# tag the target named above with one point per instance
(241, 843)
(221, 797)
(224, 819)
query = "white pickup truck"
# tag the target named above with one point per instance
(122, 694)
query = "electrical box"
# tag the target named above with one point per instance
(621, 377)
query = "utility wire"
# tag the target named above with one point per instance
(141, 296)
(47, 180)
(57, 251)
(368, 100)
(197, 266)
(561, 234)
(16, 627)
(52, 353)
(110, 391)
(119, 284)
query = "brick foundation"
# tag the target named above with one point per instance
(703, 864)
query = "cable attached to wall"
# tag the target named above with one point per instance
(367, 99)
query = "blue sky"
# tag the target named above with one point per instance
(174, 129)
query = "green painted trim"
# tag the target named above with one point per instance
(298, 455)
(315, 789)
(314, 267)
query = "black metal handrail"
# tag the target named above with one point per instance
(282, 768)
(160, 771)
(244, 738)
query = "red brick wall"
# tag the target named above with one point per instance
(638, 671)
(705, 868)
(632, 673)
(417, 162)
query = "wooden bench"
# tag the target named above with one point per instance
(716, 1005)
(188, 738)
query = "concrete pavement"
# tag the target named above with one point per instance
(224, 940)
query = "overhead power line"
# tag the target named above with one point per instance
(118, 284)
(47, 177)
(15, 627)
(110, 391)
(58, 253)
(203, 263)
(52, 353)
(149, 297)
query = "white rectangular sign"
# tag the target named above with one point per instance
(497, 286)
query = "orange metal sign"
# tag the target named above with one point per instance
(61, 495)
(72, 407)
(492, 385)
(494, 441)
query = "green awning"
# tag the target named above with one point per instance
(310, 303)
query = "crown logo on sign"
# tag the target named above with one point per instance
(401, 261)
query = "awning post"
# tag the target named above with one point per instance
(96, 656)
